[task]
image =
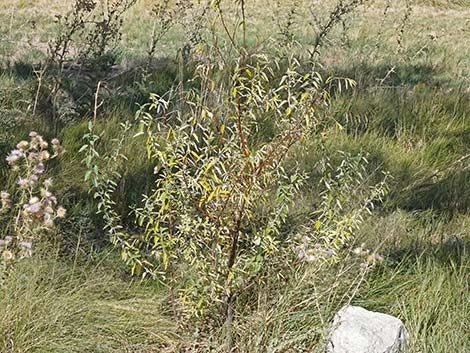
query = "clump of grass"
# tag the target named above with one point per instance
(49, 305)
(424, 279)
(430, 297)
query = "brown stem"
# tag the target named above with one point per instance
(224, 25)
(171, 269)
(240, 128)
(229, 323)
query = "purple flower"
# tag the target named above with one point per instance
(23, 182)
(33, 134)
(55, 141)
(32, 156)
(39, 169)
(26, 244)
(34, 177)
(11, 159)
(52, 200)
(34, 208)
(14, 156)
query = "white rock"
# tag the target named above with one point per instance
(357, 330)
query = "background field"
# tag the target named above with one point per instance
(410, 113)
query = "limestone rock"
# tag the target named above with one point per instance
(357, 330)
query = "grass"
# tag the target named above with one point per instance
(410, 114)
(49, 305)
(427, 284)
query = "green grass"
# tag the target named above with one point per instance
(431, 299)
(426, 279)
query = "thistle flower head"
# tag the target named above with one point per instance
(45, 193)
(23, 182)
(48, 183)
(14, 156)
(34, 200)
(5, 204)
(22, 145)
(27, 245)
(58, 150)
(7, 256)
(34, 207)
(39, 169)
(61, 212)
(44, 155)
(48, 222)
(32, 156)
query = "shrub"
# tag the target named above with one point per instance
(212, 225)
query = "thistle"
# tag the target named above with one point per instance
(31, 207)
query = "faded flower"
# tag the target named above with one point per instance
(61, 212)
(39, 213)
(48, 183)
(14, 156)
(22, 145)
(44, 155)
(7, 255)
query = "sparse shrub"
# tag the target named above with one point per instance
(213, 220)
(82, 53)
(338, 15)
(286, 20)
(165, 17)
(211, 227)
(88, 33)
